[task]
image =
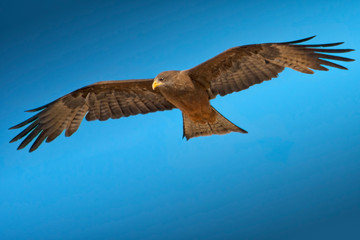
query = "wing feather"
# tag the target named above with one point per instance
(241, 67)
(99, 101)
(55, 131)
(114, 106)
(105, 112)
(29, 137)
(75, 123)
(42, 136)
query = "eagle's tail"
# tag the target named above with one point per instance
(220, 126)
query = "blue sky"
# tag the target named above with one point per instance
(296, 175)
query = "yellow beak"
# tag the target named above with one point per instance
(156, 84)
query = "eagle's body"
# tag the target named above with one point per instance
(194, 101)
(189, 90)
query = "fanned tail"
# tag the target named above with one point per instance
(220, 126)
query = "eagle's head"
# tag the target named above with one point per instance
(165, 79)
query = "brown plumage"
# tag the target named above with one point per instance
(190, 90)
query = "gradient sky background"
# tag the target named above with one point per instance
(296, 175)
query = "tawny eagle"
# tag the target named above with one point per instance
(189, 90)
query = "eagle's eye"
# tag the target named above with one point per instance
(161, 79)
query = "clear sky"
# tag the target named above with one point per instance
(296, 175)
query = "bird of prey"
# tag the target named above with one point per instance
(189, 90)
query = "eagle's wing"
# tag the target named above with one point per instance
(241, 67)
(102, 100)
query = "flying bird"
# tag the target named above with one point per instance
(189, 90)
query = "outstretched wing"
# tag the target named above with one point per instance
(241, 67)
(102, 100)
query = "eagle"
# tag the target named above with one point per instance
(189, 90)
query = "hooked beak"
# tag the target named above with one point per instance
(156, 83)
